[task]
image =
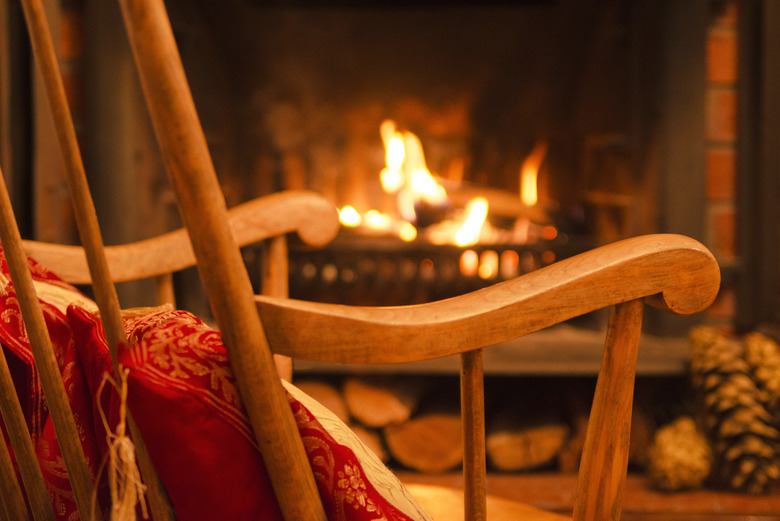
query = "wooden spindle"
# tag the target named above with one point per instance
(45, 361)
(276, 284)
(18, 433)
(472, 399)
(89, 231)
(604, 463)
(24, 451)
(221, 267)
(163, 290)
(12, 501)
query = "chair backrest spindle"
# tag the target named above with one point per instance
(46, 363)
(89, 231)
(276, 284)
(605, 454)
(12, 502)
(221, 267)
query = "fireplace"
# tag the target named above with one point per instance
(633, 103)
(295, 95)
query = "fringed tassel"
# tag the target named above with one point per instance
(124, 479)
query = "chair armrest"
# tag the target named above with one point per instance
(677, 273)
(313, 218)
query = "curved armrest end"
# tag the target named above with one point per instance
(307, 213)
(694, 285)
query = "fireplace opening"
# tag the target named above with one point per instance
(310, 95)
(294, 96)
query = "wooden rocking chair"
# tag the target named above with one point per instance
(673, 273)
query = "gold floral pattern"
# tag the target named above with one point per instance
(355, 488)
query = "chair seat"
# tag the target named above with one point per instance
(445, 503)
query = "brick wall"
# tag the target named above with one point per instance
(721, 106)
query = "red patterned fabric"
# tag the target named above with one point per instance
(183, 397)
(17, 350)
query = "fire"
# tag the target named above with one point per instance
(426, 188)
(350, 217)
(391, 176)
(377, 220)
(406, 173)
(407, 232)
(529, 173)
(476, 213)
(396, 151)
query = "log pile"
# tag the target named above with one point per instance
(415, 422)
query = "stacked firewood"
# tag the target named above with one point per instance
(415, 422)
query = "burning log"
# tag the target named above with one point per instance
(501, 202)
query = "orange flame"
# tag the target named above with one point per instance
(529, 173)
(476, 213)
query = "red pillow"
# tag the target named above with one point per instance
(184, 399)
(182, 395)
(54, 296)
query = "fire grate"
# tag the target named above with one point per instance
(360, 270)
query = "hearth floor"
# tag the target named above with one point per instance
(556, 492)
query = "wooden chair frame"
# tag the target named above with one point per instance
(670, 272)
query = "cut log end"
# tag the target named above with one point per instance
(430, 443)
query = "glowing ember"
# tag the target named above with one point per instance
(509, 263)
(350, 217)
(377, 220)
(407, 231)
(488, 264)
(469, 263)
(529, 173)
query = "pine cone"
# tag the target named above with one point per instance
(680, 456)
(744, 438)
(762, 355)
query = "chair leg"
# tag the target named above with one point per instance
(472, 399)
(605, 456)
